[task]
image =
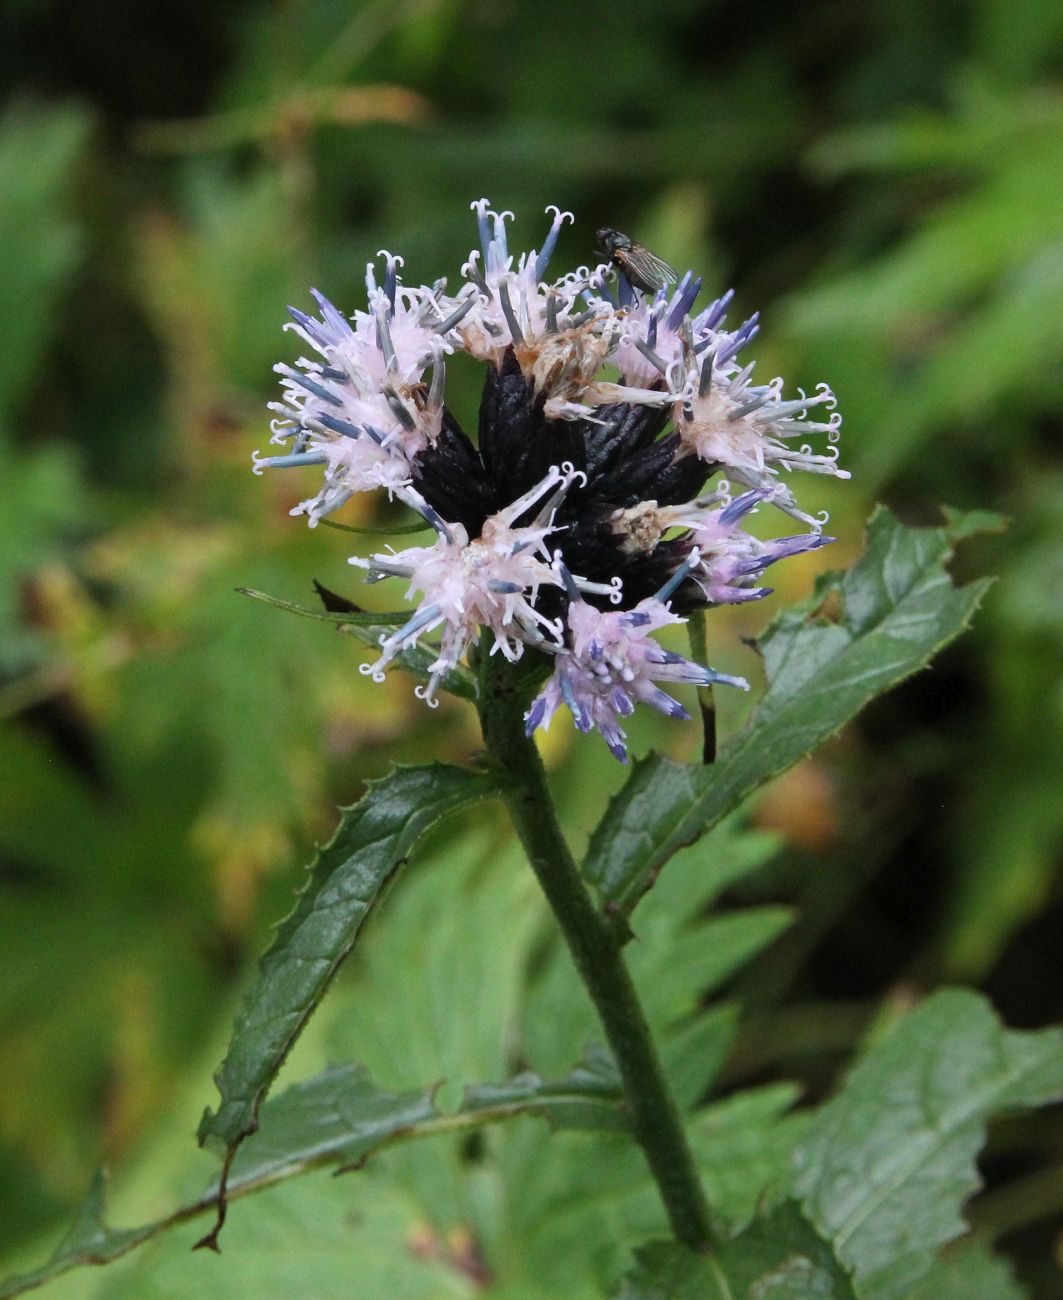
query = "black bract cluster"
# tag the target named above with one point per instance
(621, 452)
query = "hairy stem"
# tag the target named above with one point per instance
(595, 948)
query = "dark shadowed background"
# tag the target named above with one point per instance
(883, 182)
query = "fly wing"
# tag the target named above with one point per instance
(646, 270)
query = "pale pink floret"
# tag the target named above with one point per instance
(365, 410)
(560, 336)
(491, 582)
(749, 430)
(658, 336)
(612, 664)
(732, 559)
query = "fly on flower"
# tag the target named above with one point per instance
(645, 270)
(587, 514)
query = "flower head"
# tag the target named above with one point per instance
(583, 517)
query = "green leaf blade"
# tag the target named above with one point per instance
(338, 1117)
(778, 1257)
(898, 607)
(590, 1097)
(87, 1241)
(970, 1272)
(668, 1271)
(346, 880)
(341, 1118)
(886, 1166)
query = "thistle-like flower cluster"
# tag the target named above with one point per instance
(581, 520)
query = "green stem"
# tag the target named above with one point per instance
(706, 702)
(595, 948)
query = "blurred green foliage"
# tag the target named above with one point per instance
(884, 182)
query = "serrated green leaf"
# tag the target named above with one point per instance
(778, 1257)
(668, 1271)
(970, 1272)
(341, 1118)
(898, 607)
(781, 1257)
(347, 879)
(338, 1117)
(887, 1164)
(88, 1241)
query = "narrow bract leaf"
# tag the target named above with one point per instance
(379, 530)
(369, 627)
(885, 1167)
(340, 616)
(896, 608)
(346, 880)
(416, 659)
